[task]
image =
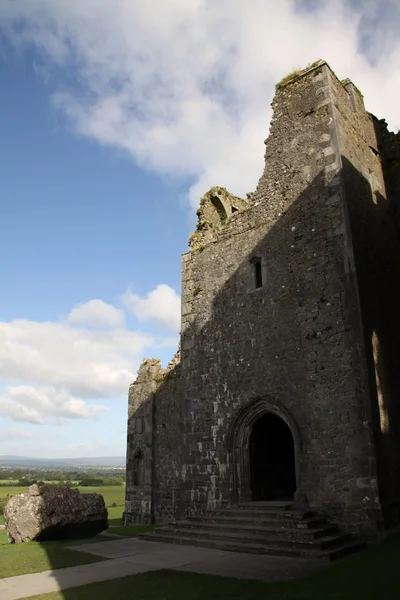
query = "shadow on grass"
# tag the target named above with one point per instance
(371, 575)
(34, 557)
(130, 530)
(115, 522)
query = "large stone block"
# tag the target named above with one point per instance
(47, 512)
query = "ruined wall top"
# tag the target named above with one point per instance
(151, 373)
(222, 214)
(218, 208)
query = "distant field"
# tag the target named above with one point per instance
(111, 494)
(10, 491)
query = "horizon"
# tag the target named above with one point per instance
(39, 462)
(56, 458)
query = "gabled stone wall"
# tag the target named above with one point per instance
(276, 318)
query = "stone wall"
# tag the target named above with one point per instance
(168, 444)
(296, 341)
(389, 152)
(376, 250)
(277, 315)
(154, 448)
(139, 506)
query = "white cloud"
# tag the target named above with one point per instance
(184, 87)
(35, 405)
(96, 313)
(162, 305)
(87, 363)
(52, 369)
(13, 434)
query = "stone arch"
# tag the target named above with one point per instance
(239, 440)
(221, 207)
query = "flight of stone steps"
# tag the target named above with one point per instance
(261, 528)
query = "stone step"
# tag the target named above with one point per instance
(338, 551)
(256, 520)
(267, 528)
(259, 538)
(275, 529)
(269, 505)
(264, 514)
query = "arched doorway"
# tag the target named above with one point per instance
(272, 459)
(264, 446)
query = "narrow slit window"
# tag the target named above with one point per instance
(257, 271)
(137, 460)
(258, 274)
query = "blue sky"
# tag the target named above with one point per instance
(115, 117)
(79, 222)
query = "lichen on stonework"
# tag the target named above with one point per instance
(146, 368)
(216, 207)
(150, 361)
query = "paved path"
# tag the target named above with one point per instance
(131, 556)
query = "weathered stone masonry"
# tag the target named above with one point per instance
(289, 308)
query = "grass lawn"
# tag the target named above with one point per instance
(371, 575)
(33, 557)
(131, 530)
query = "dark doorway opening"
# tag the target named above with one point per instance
(272, 459)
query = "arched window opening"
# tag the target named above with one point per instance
(216, 202)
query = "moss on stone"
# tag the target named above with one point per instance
(214, 211)
(202, 225)
(296, 73)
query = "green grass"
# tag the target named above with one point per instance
(295, 73)
(115, 513)
(115, 522)
(371, 575)
(130, 530)
(111, 493)
(33, 557)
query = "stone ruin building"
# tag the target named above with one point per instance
(286, 387)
